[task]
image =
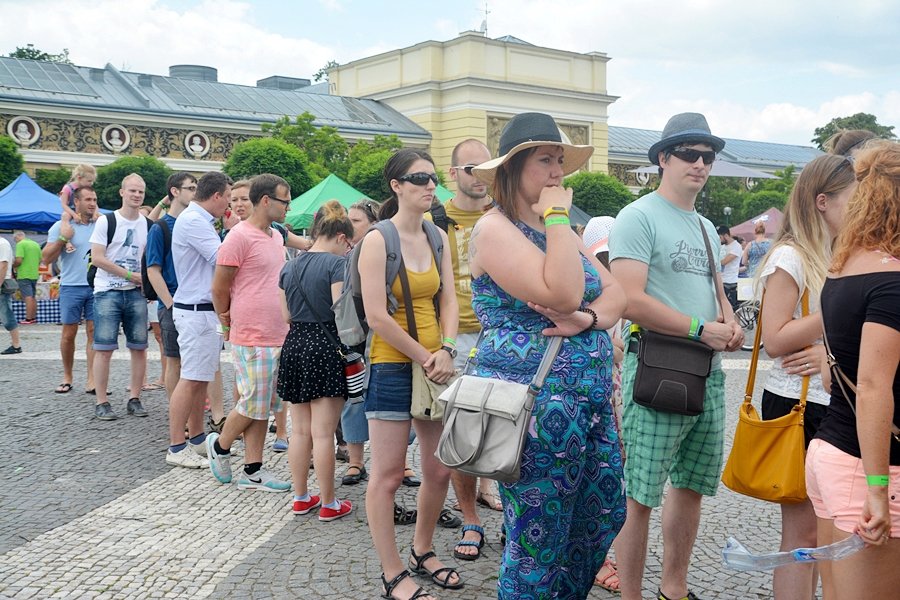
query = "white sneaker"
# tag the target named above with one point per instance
(186, 458)
(264, 481)
(200, 448)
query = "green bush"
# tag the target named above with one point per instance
(268, 155)
(11, 162)
(598, 194)
(367, 174)
(109, 179)
(52, 180)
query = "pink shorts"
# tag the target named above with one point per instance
(836, 484)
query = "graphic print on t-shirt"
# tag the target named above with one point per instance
(688, 259)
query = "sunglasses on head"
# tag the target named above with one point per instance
(419, 178)
(691, 155)
(466, 168)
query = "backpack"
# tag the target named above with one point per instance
(440, 218)
(110, 234)
(349, 314)
(146, 286)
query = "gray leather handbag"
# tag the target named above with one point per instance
(486, 421)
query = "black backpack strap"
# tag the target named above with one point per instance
(167, 237)
(110, 227)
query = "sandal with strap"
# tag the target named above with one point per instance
(403, 516)
(390, 585)
(447, 572)
(609, 581)
(464, 542)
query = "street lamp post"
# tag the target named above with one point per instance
(727, 211)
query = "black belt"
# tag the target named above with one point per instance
(208, 307)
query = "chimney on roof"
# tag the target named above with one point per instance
(280, 82)
(195, 72)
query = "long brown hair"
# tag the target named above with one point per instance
(873, 213)
(506, 182)
(803, 226)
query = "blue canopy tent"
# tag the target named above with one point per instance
(25, 205)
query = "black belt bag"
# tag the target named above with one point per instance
(671, 373)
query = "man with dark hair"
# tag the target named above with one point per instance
(69, 241)
(731, 264)
(161, 273)
(248, 303)
(195, 245)
(118, 301)
(658, 252)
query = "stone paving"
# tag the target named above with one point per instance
(89, 509)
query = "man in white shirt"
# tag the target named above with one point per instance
(6, 313)
(195, 246)
(118, 299)
(731, 264)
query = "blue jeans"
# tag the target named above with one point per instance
(354, 425)
(114, 308)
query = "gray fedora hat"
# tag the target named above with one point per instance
(528, 130)
(685, 128)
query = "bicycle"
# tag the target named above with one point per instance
(747, 315)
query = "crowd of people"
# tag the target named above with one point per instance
(483, 282)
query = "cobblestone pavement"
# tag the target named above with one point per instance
(89, 509)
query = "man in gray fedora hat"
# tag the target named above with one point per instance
(659, 255)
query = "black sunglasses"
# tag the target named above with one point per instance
(419, 178)
(690, 155)
(466, 168)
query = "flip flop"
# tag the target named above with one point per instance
(63, 388)
(152, 387)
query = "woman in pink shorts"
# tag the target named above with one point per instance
(853, 464)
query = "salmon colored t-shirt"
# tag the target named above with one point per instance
(255, 299)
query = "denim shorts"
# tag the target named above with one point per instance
(169, 333)
(27, 287)
(389, 397)
(76, 302)
(353, 421)
(114, 308)
(7, 317)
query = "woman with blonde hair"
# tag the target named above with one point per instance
(561, 516)
(853, 464)
(791, 276)
(311, 369)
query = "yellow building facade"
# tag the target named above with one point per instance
(470, 86)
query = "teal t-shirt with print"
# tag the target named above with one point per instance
(669, 241)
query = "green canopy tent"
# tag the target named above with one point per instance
(442, 193)
(304, 207)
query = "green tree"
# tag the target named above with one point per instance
(109, 179)
(758, 202)
(597, 193)
(367, 160)
(29, 52)
(268, 155)
(326, 150)
(323, 72)
(52, 180)
(11, 162)
(858, 121)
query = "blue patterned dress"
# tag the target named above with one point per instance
(568, 506)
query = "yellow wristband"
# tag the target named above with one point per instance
(556, 210)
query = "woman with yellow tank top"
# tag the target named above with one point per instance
(411, 177)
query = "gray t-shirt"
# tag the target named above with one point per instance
(319, 271)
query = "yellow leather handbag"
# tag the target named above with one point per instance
(767, 457)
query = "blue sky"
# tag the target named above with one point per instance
(770, 70)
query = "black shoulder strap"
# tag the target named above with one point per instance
(110, 227)
(167, 237)
(338, 346)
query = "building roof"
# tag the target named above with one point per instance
(111, 89)
(631, 143)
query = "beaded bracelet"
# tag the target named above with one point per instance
(593, 315)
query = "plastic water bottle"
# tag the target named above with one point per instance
(736, 556)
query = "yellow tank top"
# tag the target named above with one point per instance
(422, 288)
